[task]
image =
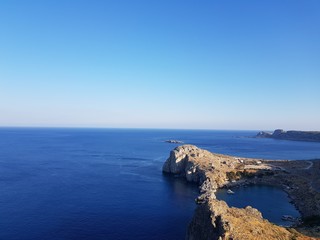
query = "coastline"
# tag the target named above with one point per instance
(280, 134)
(214, 218)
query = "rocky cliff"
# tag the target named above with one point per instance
(200, 166)
(311, 136)
(195, 164)
(214, 219)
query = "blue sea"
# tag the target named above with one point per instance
(107, 183)
(273, 202)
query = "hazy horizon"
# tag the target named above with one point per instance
(165, 64)
(148, 128)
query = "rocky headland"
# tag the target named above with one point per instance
(310, 136)
(214, 219)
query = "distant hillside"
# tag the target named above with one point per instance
(310, 136)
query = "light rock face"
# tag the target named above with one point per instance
(178, 159)
(199, 165)
(182, 162)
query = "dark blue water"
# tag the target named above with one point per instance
(271, 201)
(107, 183)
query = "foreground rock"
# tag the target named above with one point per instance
(310, 136)
(214, 219)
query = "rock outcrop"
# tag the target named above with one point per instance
(214, 219)
(310, 136)
(200, 166)
(184, 161)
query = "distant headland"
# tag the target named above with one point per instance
(309, 136)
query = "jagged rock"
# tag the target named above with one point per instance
(215, 220)
(182, 161)
(201, 226)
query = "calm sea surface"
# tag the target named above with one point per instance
(107, 183)
(271, 201)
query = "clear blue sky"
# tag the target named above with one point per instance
(160, 64)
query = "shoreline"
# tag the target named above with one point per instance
(214, 171)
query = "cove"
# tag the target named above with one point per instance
(271, 201)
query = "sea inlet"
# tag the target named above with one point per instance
(271, 201)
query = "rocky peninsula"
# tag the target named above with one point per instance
(310, 136)
(214, 219)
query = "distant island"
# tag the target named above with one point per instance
(173, 141)
(309, 136)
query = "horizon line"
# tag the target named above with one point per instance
(129, 128)
(139, 128)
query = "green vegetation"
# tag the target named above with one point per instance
(248, 174)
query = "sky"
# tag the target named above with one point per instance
(185, 64)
